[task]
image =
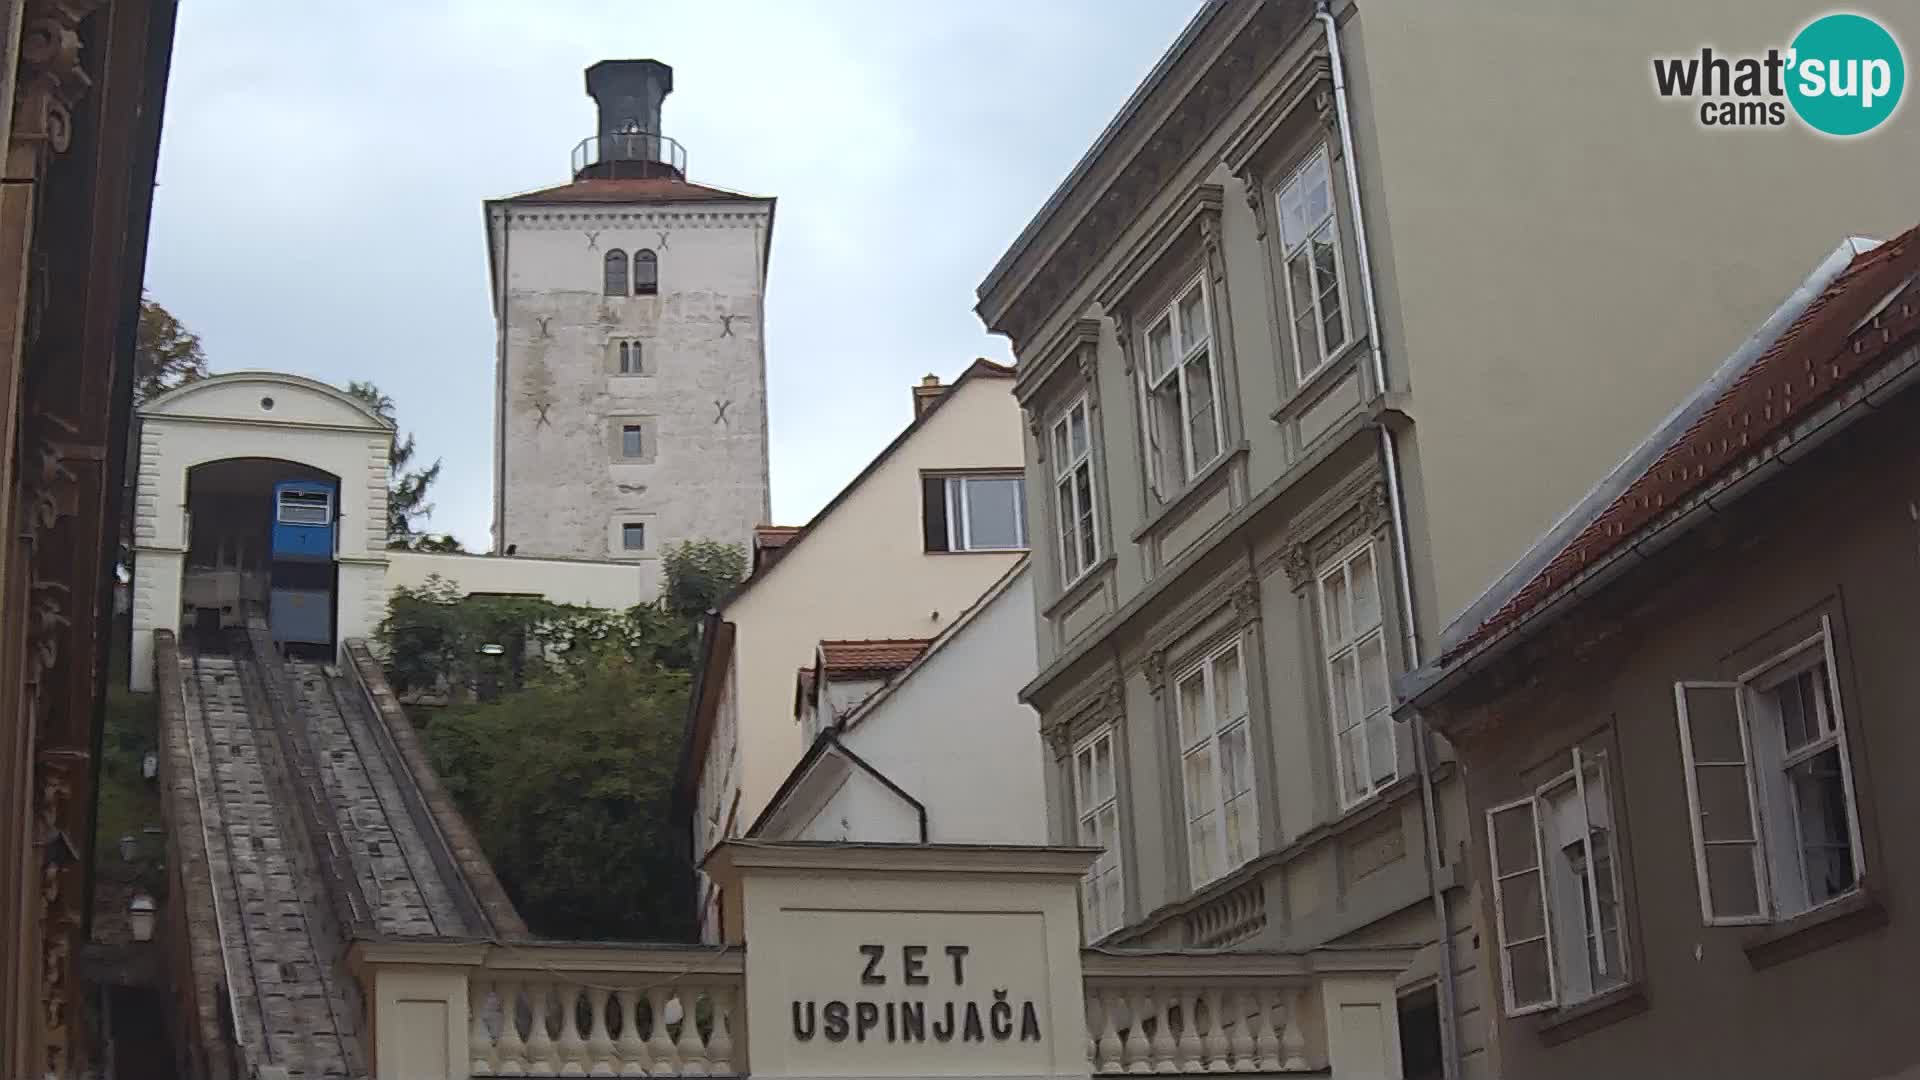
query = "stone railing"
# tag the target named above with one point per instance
(448, 1010)
(1246, 1012)
(551, 1009)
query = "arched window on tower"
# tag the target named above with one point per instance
(646, 273)
(616, 273)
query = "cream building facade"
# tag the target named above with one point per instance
(1313, 342)
(907, 547)
(631, 408)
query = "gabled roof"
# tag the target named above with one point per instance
(1856, 323)
(652, 189)
(872, 657)
(979, 369)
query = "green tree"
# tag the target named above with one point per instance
(566, 770)
(700, 573)
(166, 355)
(406, 487)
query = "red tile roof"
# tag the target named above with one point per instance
(774, 536)
(1818, 355)
(631, 190)
(880, 656)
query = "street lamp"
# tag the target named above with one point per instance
(140, 911)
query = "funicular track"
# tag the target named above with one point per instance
(317, 833)
(280, 943)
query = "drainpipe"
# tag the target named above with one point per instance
(1396, 502)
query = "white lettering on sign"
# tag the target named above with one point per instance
(961, 1017)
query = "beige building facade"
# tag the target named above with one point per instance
(1338, 314)
(899, 555)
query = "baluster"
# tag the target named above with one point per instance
(634, 1058)
(1266, 1045)
(600, 1042)
(572, 1047)
(1293, 1041)
(1090, 1003)
(1109, 1032)
(1139, 1051)
(666, 1061)
(479, 1039)
(1191, 1047)
(1217, 1060)
(1166, 1049)
(693, 1052)
(540, 1058)
(720, 1043)
(513, 1051)
(1242, 1038)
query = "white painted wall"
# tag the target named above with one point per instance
(953, 733)
(702, 399)
(861, 571)
(601, 584)
(263, 415)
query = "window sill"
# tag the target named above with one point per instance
(981, 551)
(1080, 588)
(1187, 496)
(1832, 922)
(1601, 1010)
(1322, 378)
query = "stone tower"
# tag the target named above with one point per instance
(630, 396)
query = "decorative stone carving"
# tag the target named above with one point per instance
(1298, 564)
(1155, 668)
(1088, 361)
(1033, 429)
(1377, 506)
(1113, 702)
(1255, 192)
(1123, 331)
(52, 76)
(1246, 602)
(1058, 740)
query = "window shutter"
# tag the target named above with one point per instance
(933, 511)
(1728, 859)
(1521, 920)
(1846, 756)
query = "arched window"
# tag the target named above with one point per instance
(616, 274)
(646, 273)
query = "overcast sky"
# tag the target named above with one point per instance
(323, 166)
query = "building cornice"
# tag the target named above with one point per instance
(1036, 276)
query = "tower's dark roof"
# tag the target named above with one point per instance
(654, 189)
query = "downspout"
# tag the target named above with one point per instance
(1396, 502)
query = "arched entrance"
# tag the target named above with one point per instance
(222, 462)
(261, 539)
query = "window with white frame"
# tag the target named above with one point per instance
(1096, 806)
(1776, 829)
(1216, 765)
(974, 512)
(1354, 641)
(1181, 385)
(1310, 251)
(1072, 454)
(1556, 891)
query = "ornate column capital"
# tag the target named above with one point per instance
(1255, 191)
(52, 77)
(1155, 668)
(1298, 563)
(1123, 331)
(1246, 602)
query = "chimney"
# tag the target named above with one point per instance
(926, 394)
(627, 141)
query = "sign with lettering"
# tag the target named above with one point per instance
(889, 962)
(903, 1018)
(889, 993)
